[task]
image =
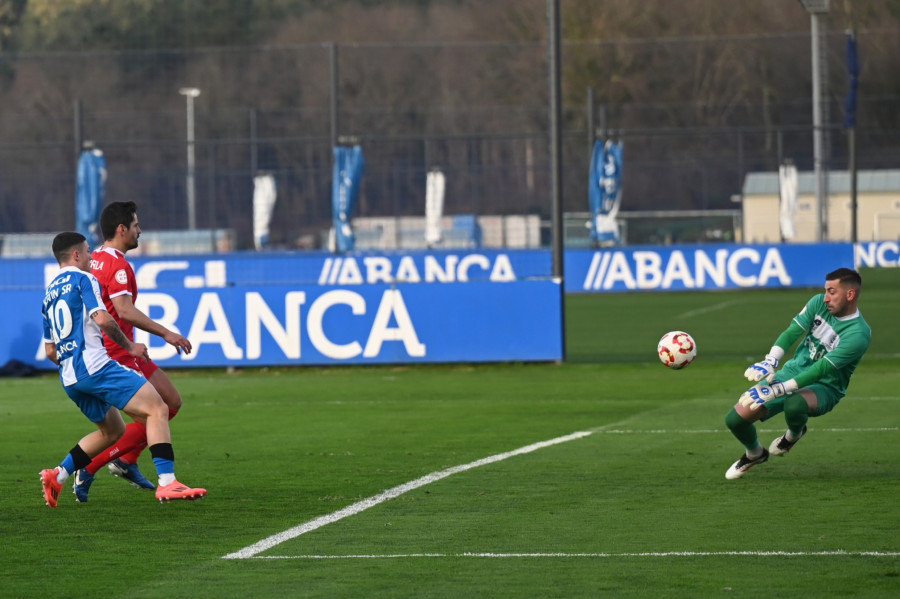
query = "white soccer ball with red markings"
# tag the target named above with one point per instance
(676, 349)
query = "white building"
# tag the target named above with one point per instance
(878, 207)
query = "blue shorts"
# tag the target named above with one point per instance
(112, 386)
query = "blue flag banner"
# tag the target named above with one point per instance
(348, 171)
(605, 191)
(853, 72)
(89, 193)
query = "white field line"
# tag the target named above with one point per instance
(707, 309)
(252, 550)
(392, 493)
(891, 554)
(619, 431)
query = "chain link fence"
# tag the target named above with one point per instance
(476, 111)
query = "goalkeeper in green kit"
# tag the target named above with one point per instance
(835, 337)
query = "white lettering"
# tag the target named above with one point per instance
(677, 270)
(287, 338)
(67, 347)
(407, 271)
(378, 269)
(210, 307)
(884, 254)
(503, 270)
(350, 274)
(315, 320)
(433, 271)
(734, 272)
(618, 270)
(704, 266)
(462, 273)
(864, 254)
(647, 270)
(392, 304)
(773, 266)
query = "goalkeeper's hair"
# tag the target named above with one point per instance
(847, 276)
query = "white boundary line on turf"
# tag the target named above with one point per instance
(359, 506)
(623, 431)
(706, 309)
(601, 555)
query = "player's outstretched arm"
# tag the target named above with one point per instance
(108, 324)
(128, 312)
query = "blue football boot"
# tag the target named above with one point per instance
(82, 484)
(131, 473)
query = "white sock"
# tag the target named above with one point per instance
(166, 479)
(61, 475)
(755, 453)
(791, 436)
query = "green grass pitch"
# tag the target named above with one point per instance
(637, 506)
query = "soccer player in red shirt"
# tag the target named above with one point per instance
(121, 230)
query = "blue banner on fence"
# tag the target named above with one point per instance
(605, 191)
(348, 171)
(89, 192)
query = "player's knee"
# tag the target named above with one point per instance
(795, 405)
(113, 431)
(159, 409)
(733, 420)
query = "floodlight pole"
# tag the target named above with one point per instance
(817, 10)
(555, 117)
(190, 93)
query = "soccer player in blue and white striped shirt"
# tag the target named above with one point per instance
(74, 315)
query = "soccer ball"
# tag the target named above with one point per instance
(676, 349)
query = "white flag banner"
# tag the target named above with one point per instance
(434, 206)
(264, 195)
(787, 186)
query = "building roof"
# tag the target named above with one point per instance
(838, 182)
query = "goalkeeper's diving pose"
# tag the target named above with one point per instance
(835, 337)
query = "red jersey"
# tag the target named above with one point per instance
(116, 278)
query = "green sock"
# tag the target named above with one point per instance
(742, 429)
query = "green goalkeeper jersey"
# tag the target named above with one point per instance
(842, 341)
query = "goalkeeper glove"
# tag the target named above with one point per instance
(764, 370)
(757, 395)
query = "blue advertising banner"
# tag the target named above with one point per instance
(452, 308)
(704, 266)
(348, 171)
(884, 254)
(315, 308)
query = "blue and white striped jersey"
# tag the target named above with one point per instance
(71, 299)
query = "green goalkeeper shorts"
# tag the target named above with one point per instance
(827, 399)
